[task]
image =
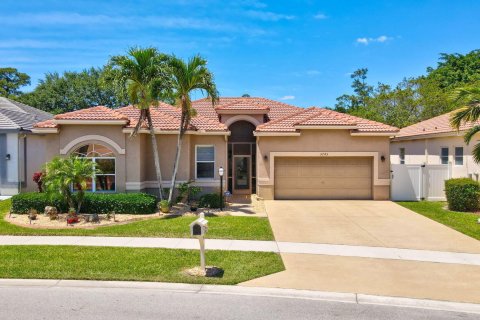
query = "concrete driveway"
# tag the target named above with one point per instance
(366, 224)
(363, 223)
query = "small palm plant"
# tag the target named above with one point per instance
(470, 112)
(63, 175)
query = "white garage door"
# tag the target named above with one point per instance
(306, 178)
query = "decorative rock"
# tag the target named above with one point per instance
(52, 212)
(210, 271)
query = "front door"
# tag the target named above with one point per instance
(241, 175)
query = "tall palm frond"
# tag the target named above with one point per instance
(186, 78)
(143, 76)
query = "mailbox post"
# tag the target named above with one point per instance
(198, 229)
(220, 173)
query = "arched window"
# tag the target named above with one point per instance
(104, 160)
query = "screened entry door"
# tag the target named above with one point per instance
(241, 175)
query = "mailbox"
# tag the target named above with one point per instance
(199, 227)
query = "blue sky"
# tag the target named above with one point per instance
(301, 52)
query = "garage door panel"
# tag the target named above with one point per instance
(323, 178)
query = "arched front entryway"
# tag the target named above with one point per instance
(242, 158)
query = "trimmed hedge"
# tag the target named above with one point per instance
(101, 203)
(211, 200)
(463, 194)
(23, 202)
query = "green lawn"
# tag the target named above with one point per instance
(465, 222)
(136, 264)
(227, 227)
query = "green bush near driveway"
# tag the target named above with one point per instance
(463, 194)
(101, 203)
(131, 264)
(210, 200)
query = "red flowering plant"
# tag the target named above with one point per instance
(37, 178)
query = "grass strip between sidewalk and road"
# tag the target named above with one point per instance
(131, 264)
(464, 222)
(222, 227)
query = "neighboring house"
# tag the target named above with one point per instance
(438, 150)
(16, 123)
(273, 149)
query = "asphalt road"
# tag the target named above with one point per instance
(45, 302)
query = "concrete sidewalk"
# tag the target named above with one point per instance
(249, 245)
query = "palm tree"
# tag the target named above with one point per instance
(470, 112)
(186, 78)
(63, 173)
(142, 76)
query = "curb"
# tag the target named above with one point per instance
(357, 298)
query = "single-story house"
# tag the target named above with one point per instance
(16, 124)
(433, 151)
(273, 149)
(435, 142)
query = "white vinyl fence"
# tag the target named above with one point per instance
(419, 182)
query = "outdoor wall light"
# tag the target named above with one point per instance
(265, 157)
(7, 156)
(382, 158)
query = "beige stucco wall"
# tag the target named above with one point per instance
(427, 151)
(39, 149)
(135, 168)
(323, 141)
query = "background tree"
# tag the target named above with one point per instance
(64, 174)
(186, 78)
(10, 82)
(413, 99)
(469, 97)
(73, 91)
(143, 76)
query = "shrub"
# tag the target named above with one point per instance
(23, 202)
(211, 200)
(100, 203)
(463, 194)
(37, 178)
(132, 203)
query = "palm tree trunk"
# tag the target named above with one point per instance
(155, 153)
(181, 132)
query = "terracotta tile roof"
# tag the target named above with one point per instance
(94, 113)
(439, 124)
(275, 109)
(322, 117)
(167, 117)
(45, 124)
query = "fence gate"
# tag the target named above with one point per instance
(418, 182)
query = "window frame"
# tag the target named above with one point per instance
(196, 161)
(401, 155)
(442, 156)
(462, 157)
(94, 160)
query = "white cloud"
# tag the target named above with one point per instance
(165, 22)
(320, 16)
(313, 72)
(380, 39)
(287, 98)
(268, 16)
